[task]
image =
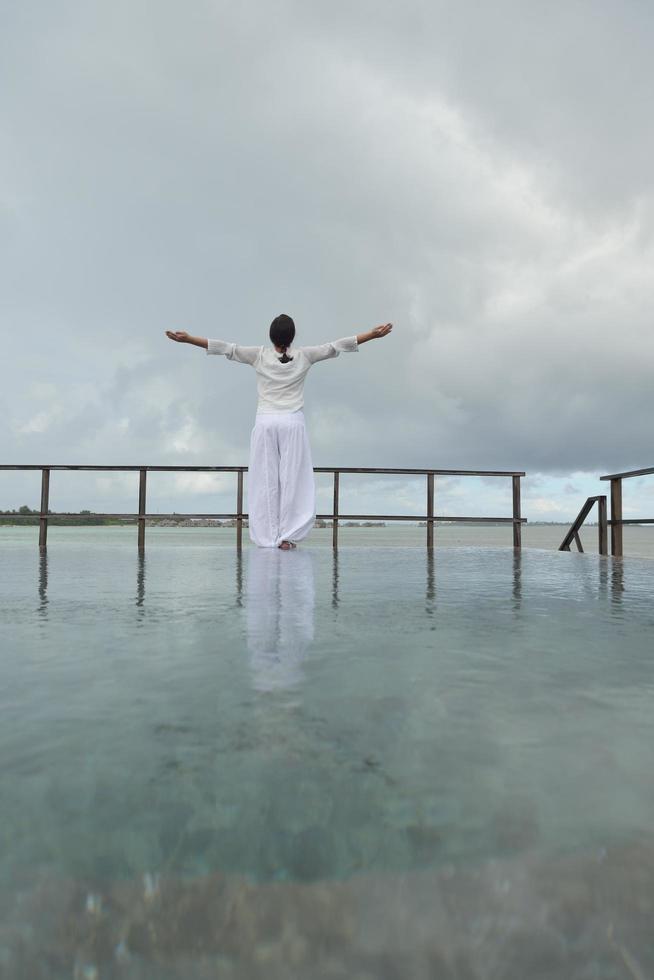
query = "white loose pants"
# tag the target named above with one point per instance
(281, 486)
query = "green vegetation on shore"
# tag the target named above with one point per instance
(28, 516)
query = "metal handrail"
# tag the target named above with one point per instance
(516, 520)
(573, 533)
(617, 521)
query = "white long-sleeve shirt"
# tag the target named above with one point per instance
(281, 386)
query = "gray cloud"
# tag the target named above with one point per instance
(479, 175)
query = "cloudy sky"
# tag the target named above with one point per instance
(480, 174)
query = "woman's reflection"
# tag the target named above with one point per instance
(280, 604)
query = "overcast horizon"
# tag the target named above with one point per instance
(481, 176)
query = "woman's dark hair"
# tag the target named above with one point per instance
(282, 331)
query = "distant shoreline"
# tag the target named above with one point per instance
(76, 521)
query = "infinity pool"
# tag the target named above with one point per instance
(383, 764)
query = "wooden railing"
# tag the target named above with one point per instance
(617, 522)
(141, 516)
(573, 533)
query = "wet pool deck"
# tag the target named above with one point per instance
(155, 702)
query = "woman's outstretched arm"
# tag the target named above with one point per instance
(246, 355)
(375, 333)
(185, 338)
(351, 344)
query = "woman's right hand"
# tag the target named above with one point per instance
(180, 336)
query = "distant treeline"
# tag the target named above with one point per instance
(29, 516)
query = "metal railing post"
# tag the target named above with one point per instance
(430, 510)
(239, 510)
(517, 525)
(43, 517)
(142, 509)
(577, 524)
(616, 518)
(602, 526)
(335, 511)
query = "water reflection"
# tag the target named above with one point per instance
(140, 584)
(43, 584)
(476, 579)
(517, 580)
(280, 615)
(335, 599)
(430, 592)
(617, 582)
(239, 578)
(611, 582)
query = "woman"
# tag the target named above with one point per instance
(281, 488)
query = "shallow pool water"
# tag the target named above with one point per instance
(301, 720)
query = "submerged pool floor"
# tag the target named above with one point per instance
(324, 746)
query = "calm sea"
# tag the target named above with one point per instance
(638, 541)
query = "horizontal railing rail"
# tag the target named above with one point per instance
(573, 533)
(239, 516)
(628, 474)
(617, 521)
